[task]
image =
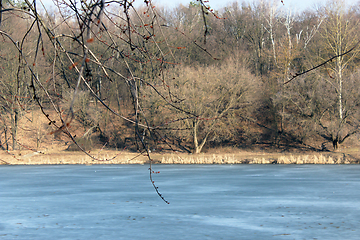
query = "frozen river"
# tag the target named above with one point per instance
(206, 202)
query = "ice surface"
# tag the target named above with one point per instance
(206, 202)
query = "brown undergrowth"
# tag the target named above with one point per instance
(39, 146)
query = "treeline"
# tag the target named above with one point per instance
(187, 78)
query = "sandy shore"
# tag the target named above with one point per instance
(123, 157)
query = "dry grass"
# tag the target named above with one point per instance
(280, 159)
(66, 157)
(123, 157)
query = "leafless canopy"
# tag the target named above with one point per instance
(82, 44)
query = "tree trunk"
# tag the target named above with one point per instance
(340, 91)
(335, 143)
(6, 140)
(197, 147)
(14, 128)
(196, 143)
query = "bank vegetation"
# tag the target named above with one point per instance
(186, 80)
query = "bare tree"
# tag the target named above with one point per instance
(340, 34)
(207, 99)
(291, 47)
(15, 98)
(330, 97)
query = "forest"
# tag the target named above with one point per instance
(106, 74)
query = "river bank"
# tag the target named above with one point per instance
(124, 157)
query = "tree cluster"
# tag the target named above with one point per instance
(186, 79)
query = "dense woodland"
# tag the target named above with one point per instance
(185, 79)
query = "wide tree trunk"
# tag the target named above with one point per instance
(198, 147)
